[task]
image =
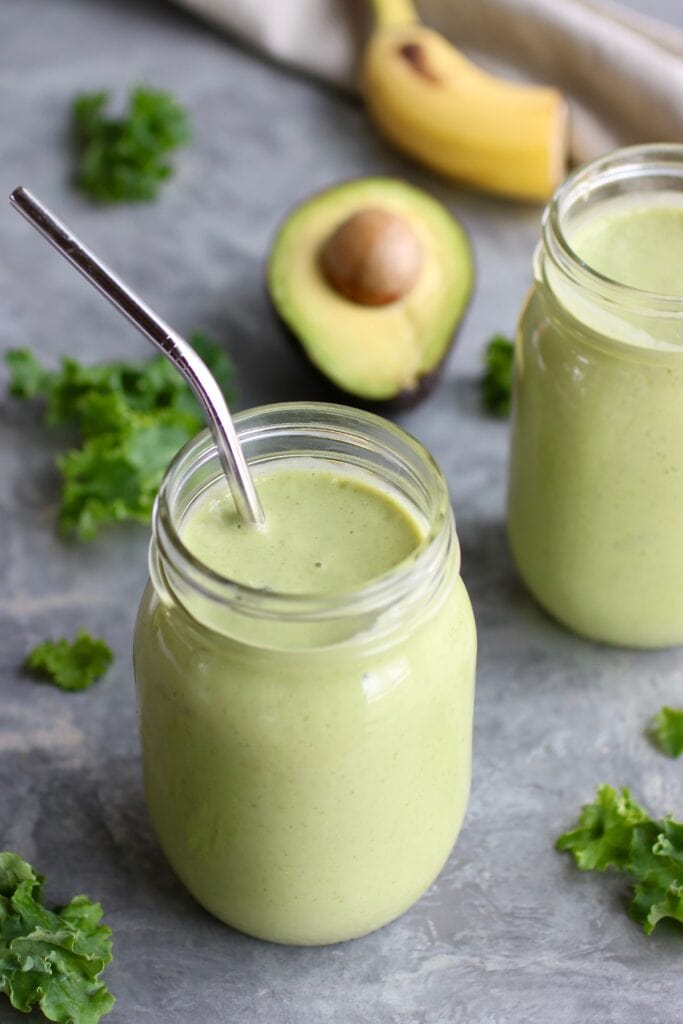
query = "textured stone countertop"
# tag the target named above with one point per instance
(510, 933)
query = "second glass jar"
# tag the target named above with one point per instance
(595, 512)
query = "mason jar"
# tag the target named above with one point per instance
(307, 758)
(595, 509)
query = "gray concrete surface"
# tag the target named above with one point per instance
(510, 933)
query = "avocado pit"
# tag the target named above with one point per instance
(373, 257)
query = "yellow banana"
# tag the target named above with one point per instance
(435, 104)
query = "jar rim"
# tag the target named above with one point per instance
(303, 418)
(628, 163)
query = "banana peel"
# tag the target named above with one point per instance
(433, 103)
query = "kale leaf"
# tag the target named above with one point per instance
(125, 159)
(616, 832)
(51, 959)
(71, 665)
(132, 418)
(668, 731)
(496, 384)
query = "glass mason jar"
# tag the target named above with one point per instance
(595, 508)
(307, 758)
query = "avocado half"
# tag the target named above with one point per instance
(372, 277)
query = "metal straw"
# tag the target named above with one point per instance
(176, 349)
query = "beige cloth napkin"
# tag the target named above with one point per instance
(622, 71)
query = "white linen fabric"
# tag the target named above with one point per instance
(622, 71)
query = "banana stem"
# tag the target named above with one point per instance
(394, 12)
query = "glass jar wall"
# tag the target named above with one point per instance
(595, 510)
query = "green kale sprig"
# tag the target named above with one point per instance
(667, 731)
(51, 960)
(71, 665)
(496, 384)
(126, 159)
(132, 418)
(615, 832)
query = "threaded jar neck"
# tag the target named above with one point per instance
(329, 435)
(648, 170)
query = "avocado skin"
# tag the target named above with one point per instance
(404, 398)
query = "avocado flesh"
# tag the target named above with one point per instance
(375, 353)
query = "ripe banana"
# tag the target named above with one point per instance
(435, 104)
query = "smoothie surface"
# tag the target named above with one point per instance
(635, 240)
(324, 532)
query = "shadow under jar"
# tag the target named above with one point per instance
(595, 508)
(307, 757)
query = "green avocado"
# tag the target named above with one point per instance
(372, 277)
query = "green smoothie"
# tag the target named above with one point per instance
(325, 532)
(309, 791)
(636, 241)
(596, 481)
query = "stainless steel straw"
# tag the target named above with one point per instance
(176, 349)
